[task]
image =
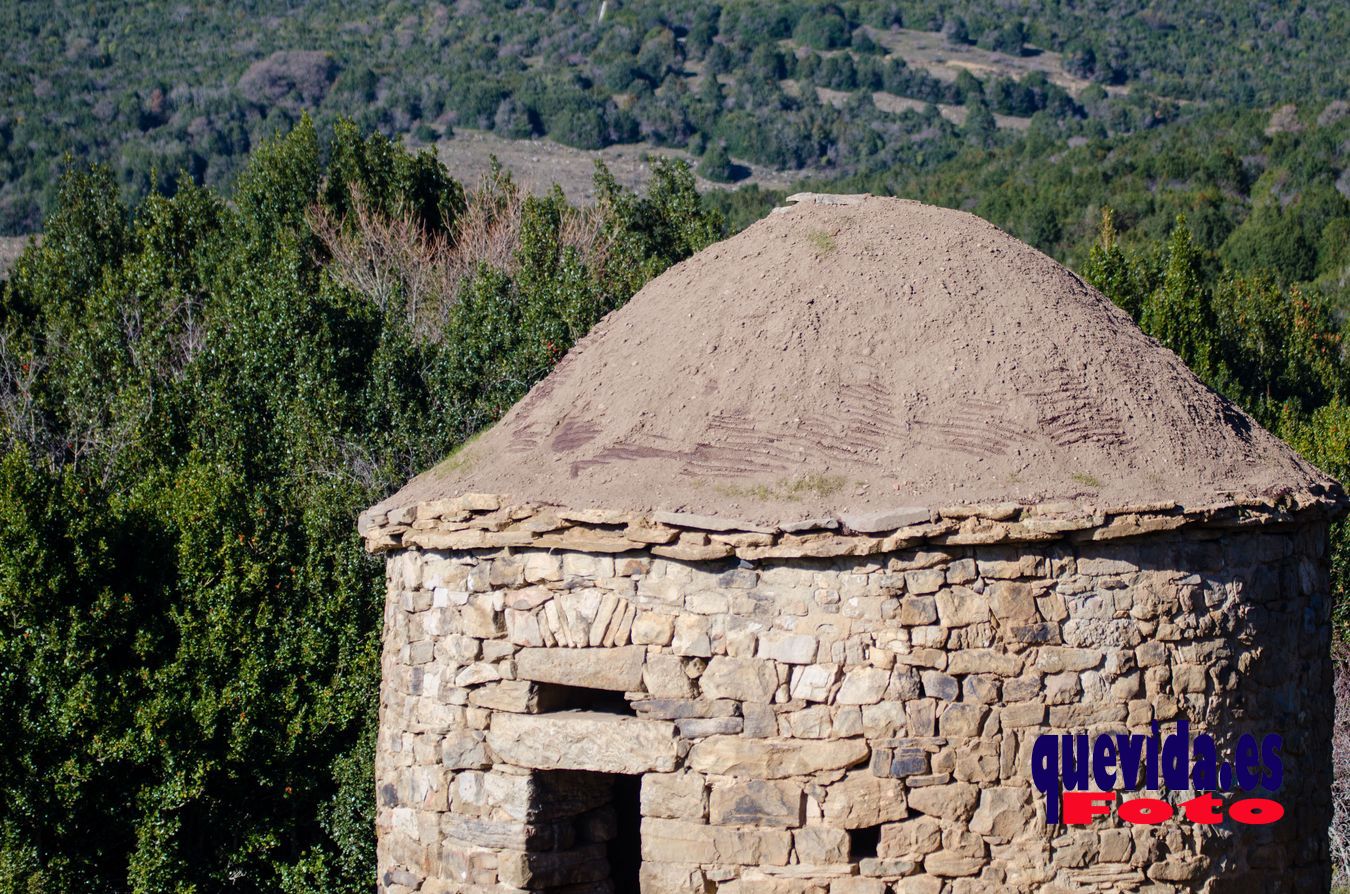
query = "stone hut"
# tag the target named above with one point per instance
(772, 585)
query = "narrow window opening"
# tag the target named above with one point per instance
(559, 697)
(863, 843)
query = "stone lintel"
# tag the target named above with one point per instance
(584, 740)
(614, 669)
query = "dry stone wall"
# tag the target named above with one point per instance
(850, 725)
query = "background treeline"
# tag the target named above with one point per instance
(1275, 349)
(1263, 193)
(1266, 195)
(155, 88)
(196, 398)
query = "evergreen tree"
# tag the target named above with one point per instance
(1177, 312)
(716, 163)
(980, 126)
(1111, 272)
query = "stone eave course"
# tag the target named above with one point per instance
(491, 521)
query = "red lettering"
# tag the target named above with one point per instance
(1081, 807)
(1145, 811)
(1256, 811)
(1205, 809)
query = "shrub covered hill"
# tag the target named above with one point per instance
(153, 88)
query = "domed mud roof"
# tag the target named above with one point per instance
(852, 354)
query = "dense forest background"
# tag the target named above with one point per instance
(258, 305)
(157, 88)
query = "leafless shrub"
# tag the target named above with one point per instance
(18, 410)
(395, 263)
(385, 259)
(293, 76)
(488, 231)
(393, 260)
(1340, 770)
(191, 337)
(584, 230)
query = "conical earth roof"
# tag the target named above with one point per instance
(856, 354)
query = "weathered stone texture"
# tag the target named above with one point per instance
(774, 708)
(583, 740)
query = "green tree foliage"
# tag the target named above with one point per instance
(162, 93)
(823, 28)
(979, 125)
(716, 164)
(1177, 312)
(1111, 271)
(195, 405)
(1276, 350)
(1324, 438)
(1273, 349)
(1257, 202)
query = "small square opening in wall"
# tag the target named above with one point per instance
(560, 697)
(863, 843)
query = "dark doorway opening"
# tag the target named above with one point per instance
(596, 840)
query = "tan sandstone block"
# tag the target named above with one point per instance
(670, 878)
(961, 720)
(617, 669)
(583, 740)
(813, 682)
(949, 865)
(742, 679)
(1013, 602)
(910, 839)
(757, 802)
(653, 628)
(665, 676)
(954, 802)
(863, 686)
(676, 841)
(674, 796)
(765, 884)
(961, 607)
(861, 799)
(983, 661)
(919, 884)
(774, 758)
(821, 845)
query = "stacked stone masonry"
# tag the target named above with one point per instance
(851, 717)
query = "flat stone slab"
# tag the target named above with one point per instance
(584, 740)
(709, 522)
(885, 519)
(775, 758)
(616, 669)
